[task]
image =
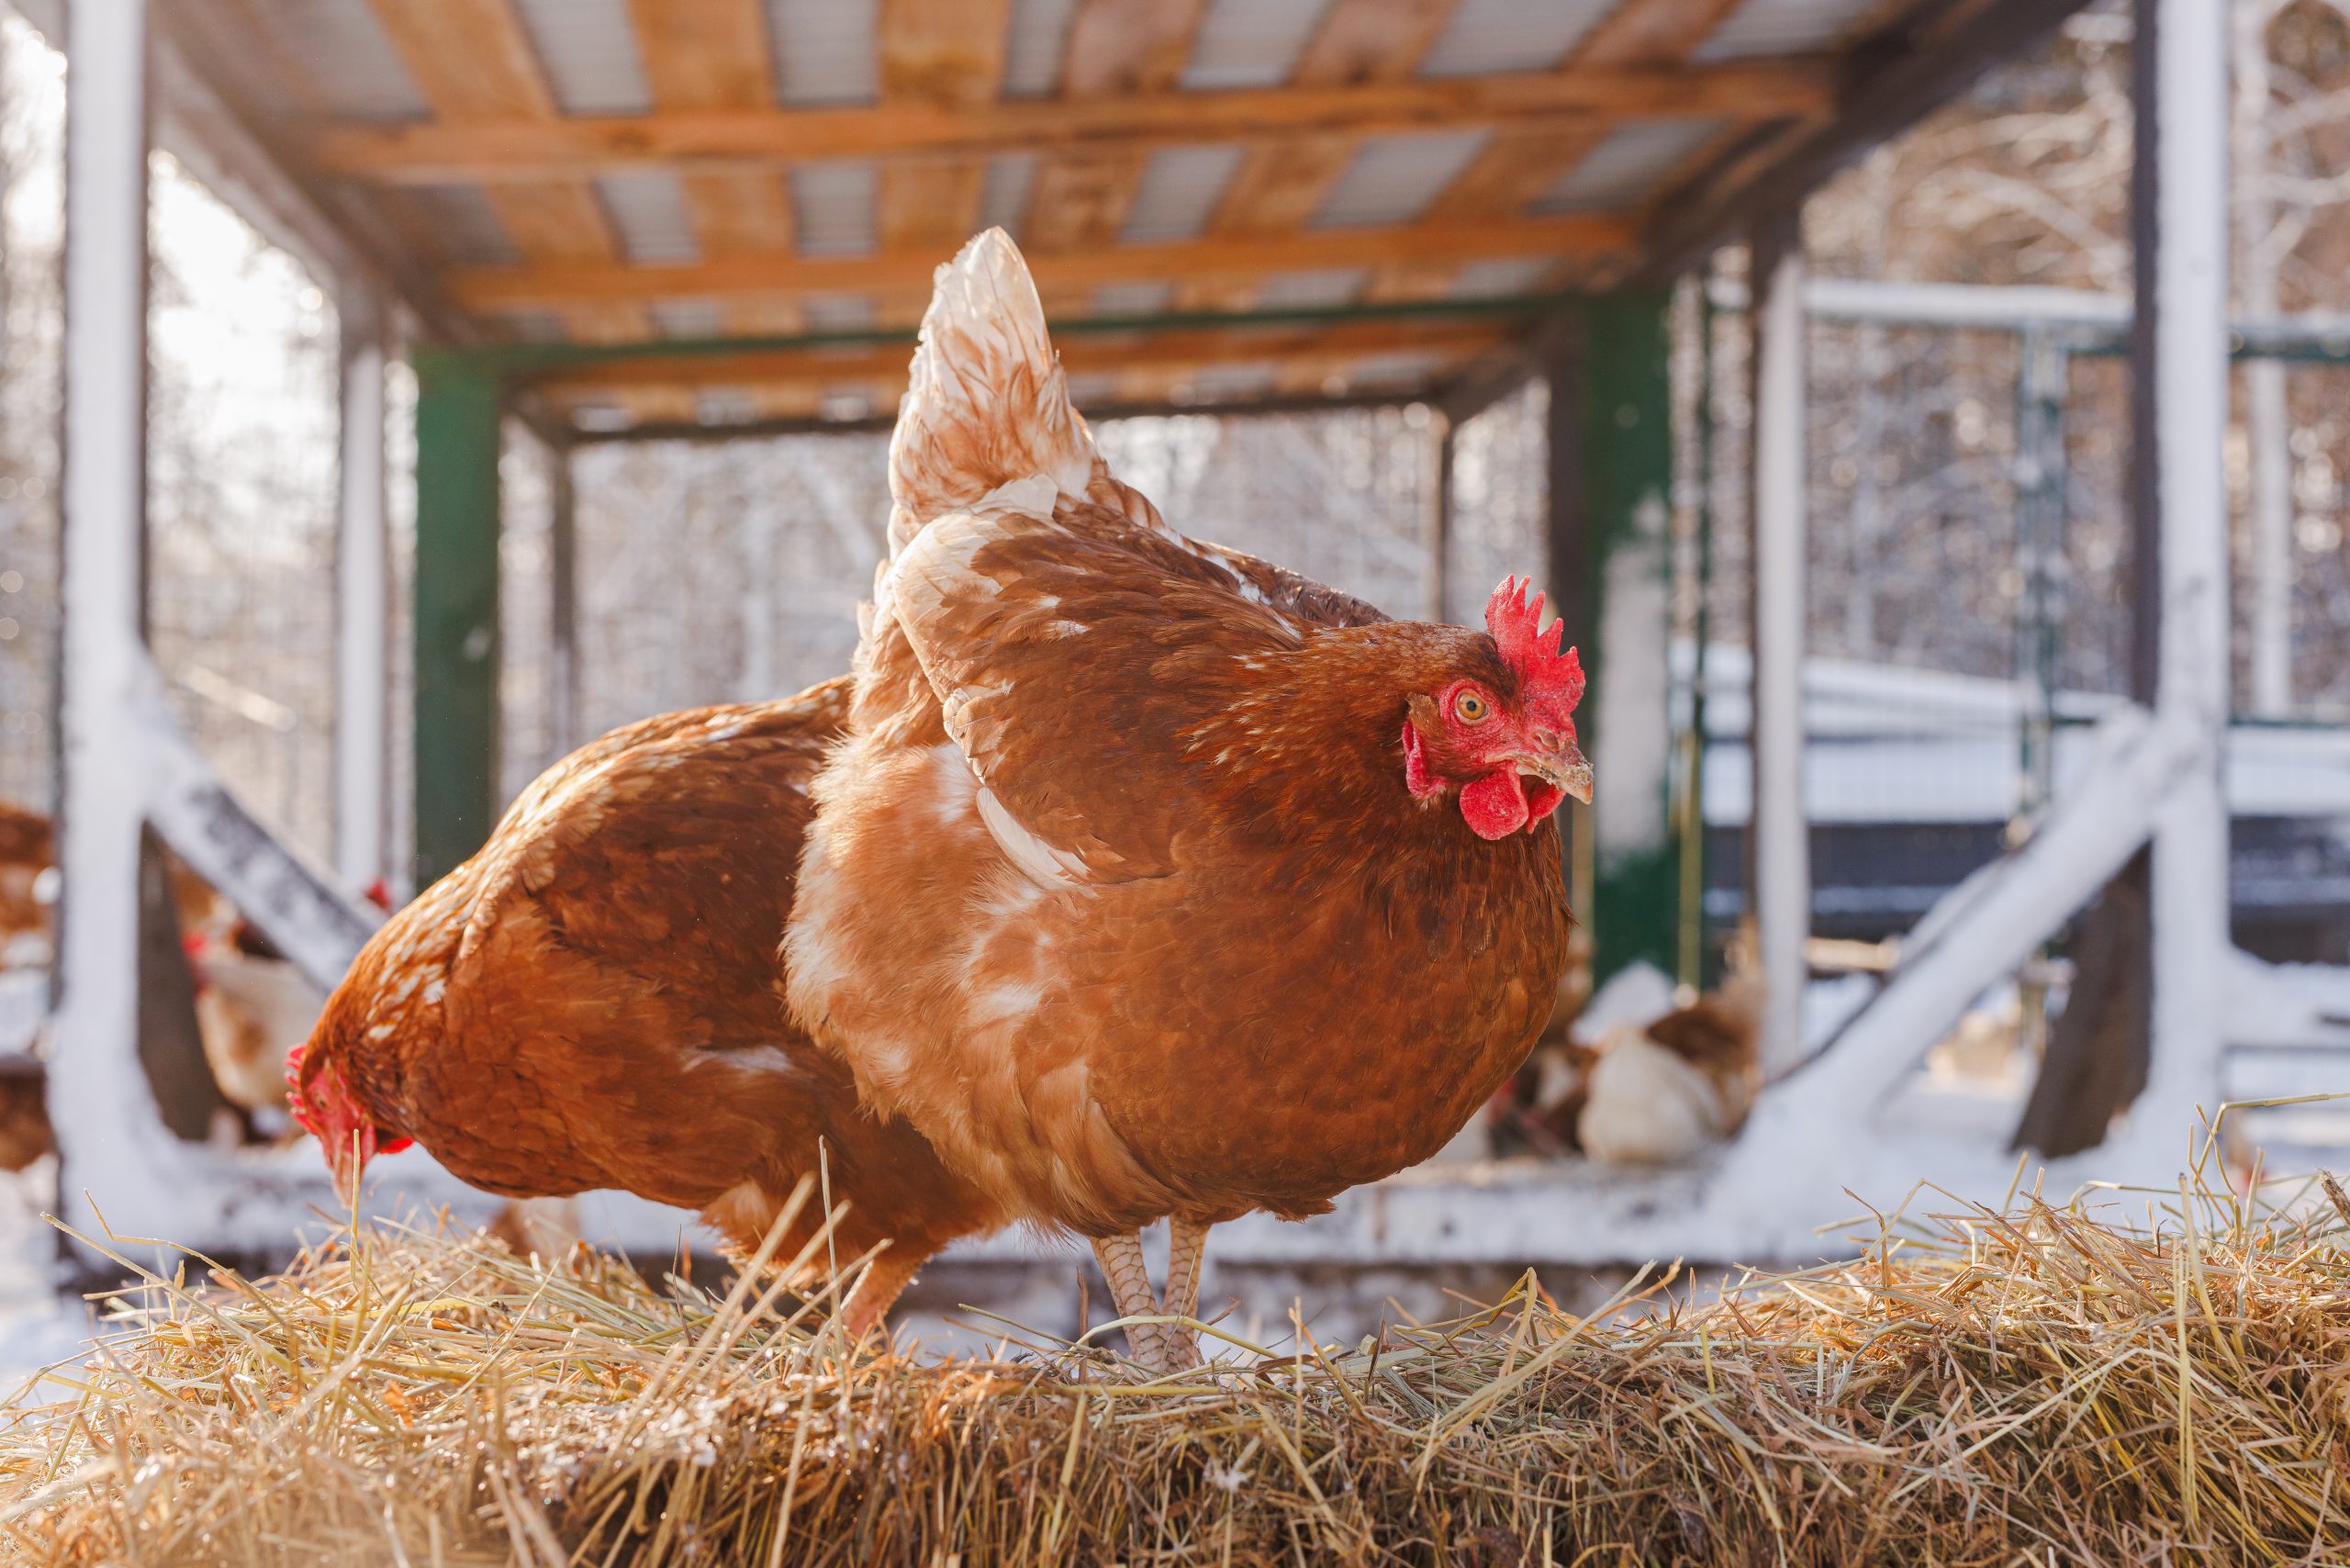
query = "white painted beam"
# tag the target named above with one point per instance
(1781, 855)
(363, 603)
(104, 1114)
(2184, 283)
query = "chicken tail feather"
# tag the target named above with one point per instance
(986, 403)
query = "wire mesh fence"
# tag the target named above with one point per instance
(32, 109)
(242, 421)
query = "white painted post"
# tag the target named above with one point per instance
(97, 1089)
(1782, 853)
(2188, 126)
(363, 604)
(2267, 418)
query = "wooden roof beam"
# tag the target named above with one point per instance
(592, 283)
(1334, 347)
(1518, 164)
(1583, 102)
(1283, 181)
(713, 55)
(1082, 195)
(473, 62)
(937, 56)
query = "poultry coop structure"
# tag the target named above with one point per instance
(717, 219)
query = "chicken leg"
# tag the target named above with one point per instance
(1122, 1265)
(885, 1279)
(1187, 1241)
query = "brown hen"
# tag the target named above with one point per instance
(1152, 880)
(593, 1000)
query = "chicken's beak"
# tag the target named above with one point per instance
(1564, 768)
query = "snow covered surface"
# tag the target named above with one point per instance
(1893, 745)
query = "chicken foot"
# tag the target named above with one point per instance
(1122, 1265)
(1187, 1241)
(885, 1279)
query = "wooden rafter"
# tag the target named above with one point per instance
(1282, 182)
(1335, 347)
(942, 57)
(713, 55)
(472, 62)
(1517, 166)
(1116, 48)
(917, 131)
(560, 285)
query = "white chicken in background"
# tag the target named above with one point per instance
(1661, 1092)
(252, 1006)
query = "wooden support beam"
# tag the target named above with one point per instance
(362, 603)
(1778, 833)
(1517, 165)
(945, 57)
(1333, 349)
(511, 147)
(1282, 181)
(107, 1130)
(458, 418)
(702, 55)
(1614, 592)
(583, 283)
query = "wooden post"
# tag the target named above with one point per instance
(2181, 385)
(104, 1115)
(1778, 833)
(1623, 615)
(458, 408)
(1436, 523)
(363, 625)
(562, 587)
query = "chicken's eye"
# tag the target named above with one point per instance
(1471, 708)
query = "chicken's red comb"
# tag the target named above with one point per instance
(1528, 648)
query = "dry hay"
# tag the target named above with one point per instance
(2046, 1385)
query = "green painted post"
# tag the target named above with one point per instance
(458, 408)
(1615, 569)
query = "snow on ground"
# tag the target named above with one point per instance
(38, 1327)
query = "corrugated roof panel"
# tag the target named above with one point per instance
(850, 401)
(1038, 36)
(689, 318)
(587, 48)
(535, 326)
(1394, 178)
(1627, 166)
(838, 312)
(648, 212)
(1249, 43)
(1129, 298)
(725, 406)
(1487, 280)
(345, 58)
(1761, 28)
(824, 51)
(1510, 35)
(1331, 286)
(462, 226)
(601, 416)
(1228, 383)
(1005, 196)
(1177, 192)
(832, 205)
(1392, 370)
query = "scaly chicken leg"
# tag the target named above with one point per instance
(1122, 1265)
(1187, 1241)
